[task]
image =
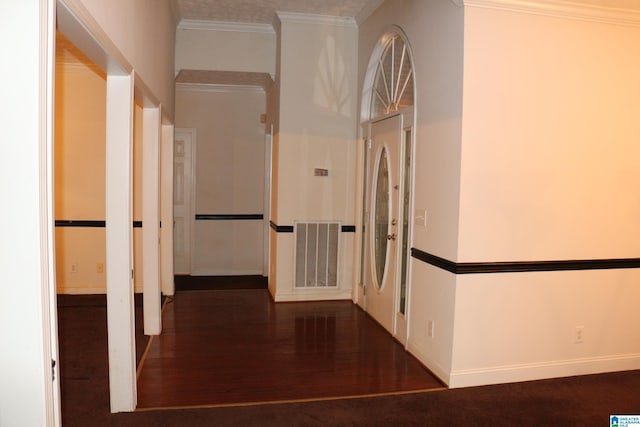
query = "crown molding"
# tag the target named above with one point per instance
(175, 12)
(240, 27)
(368, 10)
(211, 87)
(563, 9)
(307, 18)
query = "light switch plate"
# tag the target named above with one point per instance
(420, 217)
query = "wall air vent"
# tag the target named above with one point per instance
(317, 247)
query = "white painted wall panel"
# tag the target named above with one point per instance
(26, 326)
(225, 51)
(315, 129)
(551, 125)
(522, 326)
(144, 32)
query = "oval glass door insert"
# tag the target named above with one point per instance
(381, 217)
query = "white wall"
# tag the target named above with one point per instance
(79, 177)
(225, 50)
(229, 171)
(26, 270)
(522, 326)
(551, 112)
(144, 32)
(551, 109)
(317, 100)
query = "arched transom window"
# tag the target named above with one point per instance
(393, 83)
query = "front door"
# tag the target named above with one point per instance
(382, 235)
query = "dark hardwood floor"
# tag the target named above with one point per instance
(193, 283)
(234, 347)
(84, 376)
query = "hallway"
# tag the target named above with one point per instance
(229, 347)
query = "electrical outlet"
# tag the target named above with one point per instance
(100, 268)
(74, 268)
(579, 336)
(430, 328)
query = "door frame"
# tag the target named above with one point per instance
(368, 114)
(268, 165)
(400, 328)
(191, 204)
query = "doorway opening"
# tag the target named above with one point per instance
(220, 194)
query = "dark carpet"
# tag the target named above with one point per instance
(575, 401)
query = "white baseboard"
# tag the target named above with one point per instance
(313, 295)
(80, 290)
(226, 273)
(434, 367)
(87, 290)
(544, 370)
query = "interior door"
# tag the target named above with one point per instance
(183, 216)
(381, 250)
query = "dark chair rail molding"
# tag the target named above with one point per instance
(229, 217)
(87, 223)
(289, 228)
(523, 266)
(80, 223)
(281, 228)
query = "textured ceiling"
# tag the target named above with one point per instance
(262, 11)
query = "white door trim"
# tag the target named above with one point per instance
(119, 236)
(151, 220)
(190, 203)
(267, 199)
(166, 211)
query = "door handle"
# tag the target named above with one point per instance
(391, 236)
(394, 221)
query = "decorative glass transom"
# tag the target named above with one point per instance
(393, 84)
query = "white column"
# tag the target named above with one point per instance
(151, 220)
(166, 211)
(28, 339)
(120, 304)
